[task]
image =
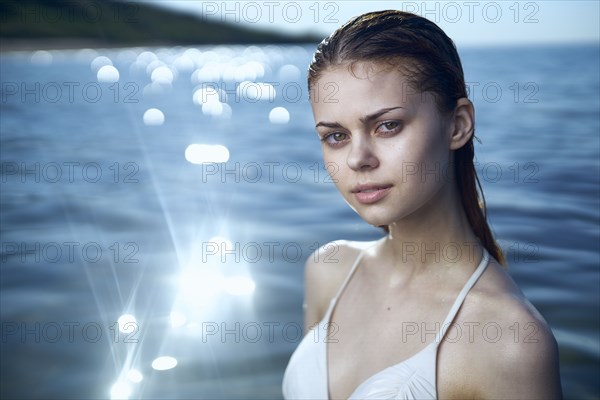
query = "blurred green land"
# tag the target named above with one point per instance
(30, 24)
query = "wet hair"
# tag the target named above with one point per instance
(429, 60)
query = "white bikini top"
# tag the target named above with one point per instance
(414, 378)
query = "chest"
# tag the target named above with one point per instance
(368, 334)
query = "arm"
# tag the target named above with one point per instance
(313, 293)
(322, 273)
(527, 369)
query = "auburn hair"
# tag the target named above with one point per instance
(430, 62)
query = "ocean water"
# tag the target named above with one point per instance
(130, 269)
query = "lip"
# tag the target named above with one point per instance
(370, 193)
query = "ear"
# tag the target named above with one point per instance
(464, 122)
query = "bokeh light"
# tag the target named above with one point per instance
(279, 115)
(164, 363)
(108, 74)
(154, 116)
(206, 153)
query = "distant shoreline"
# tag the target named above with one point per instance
(8, 45)
(15, 45)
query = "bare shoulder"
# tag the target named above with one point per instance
(512, 352)
(325, 271)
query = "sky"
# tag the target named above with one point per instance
(466, 22)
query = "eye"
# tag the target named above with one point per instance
(390, 127)
(334, 139)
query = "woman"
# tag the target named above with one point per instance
(426, 311)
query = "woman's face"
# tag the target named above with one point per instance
(386, 146)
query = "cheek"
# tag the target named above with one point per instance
(414, 162)
(336, 167)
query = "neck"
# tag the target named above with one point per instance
(434, 236)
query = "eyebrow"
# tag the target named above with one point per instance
(364, 120)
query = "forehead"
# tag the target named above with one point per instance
(364, 86)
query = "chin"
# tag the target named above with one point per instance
(382, 214)
(375, 217)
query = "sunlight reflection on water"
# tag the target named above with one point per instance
(154, 116)
(108, 74)
(127, 323)
(99, 62)
(206, 153)
(164, 363)
(201, 282)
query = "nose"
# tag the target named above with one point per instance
(362, 155)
